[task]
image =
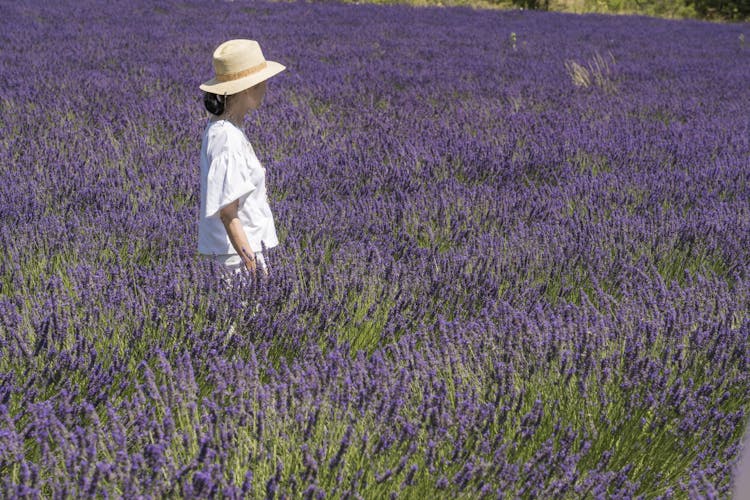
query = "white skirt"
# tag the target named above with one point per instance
(233, 265)
(233, 262)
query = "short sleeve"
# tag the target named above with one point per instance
(228, 180)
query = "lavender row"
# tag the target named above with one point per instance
(517, 403)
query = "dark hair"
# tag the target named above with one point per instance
(215, 103)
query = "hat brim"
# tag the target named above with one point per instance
(234, 86)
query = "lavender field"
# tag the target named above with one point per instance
(514, 256)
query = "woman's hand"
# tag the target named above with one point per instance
(249, 259)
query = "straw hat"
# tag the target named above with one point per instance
(239, 64)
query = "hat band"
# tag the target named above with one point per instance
(226, 77)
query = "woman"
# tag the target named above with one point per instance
(235, 218)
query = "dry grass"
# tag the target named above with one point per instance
(596, 72)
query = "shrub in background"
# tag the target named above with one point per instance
(735, 10)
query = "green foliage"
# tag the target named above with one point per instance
(532, 4)
(735, 10)
(720, 10)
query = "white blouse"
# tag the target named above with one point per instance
(230, 171)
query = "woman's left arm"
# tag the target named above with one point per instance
(236, 233)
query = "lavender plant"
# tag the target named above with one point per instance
(491, 282)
